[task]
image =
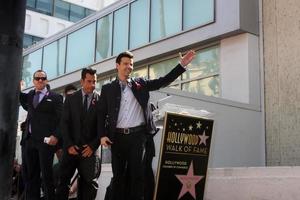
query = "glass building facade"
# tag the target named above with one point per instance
(28, 40)
(56, 8)
(224, 78)
(131, 26)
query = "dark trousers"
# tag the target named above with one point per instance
(89, 170)
(128, 152)
(149, 175)
(39, 160)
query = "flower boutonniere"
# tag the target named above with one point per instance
(93, 101)
(47, 96)
(138, 86)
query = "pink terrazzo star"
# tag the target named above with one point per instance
(188, 182)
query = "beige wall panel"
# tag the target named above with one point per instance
(282, 72)
(273, 156)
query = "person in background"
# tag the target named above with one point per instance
(69, 89)
(17, 183)
(24, 172)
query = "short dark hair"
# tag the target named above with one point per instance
(126, 54)
(39, 71)
(69, 88)
(88, 70)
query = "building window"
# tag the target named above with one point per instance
(36, 39)
(206, 63)
(165, 18)
(202, 76)
(31, 63)
(62, 10)
(88, 12)
(140, 72)
(45, 6)
(104, 37)
(197, 13)
(162, 68)
(54, 58)
(168, 17)
(207, 86)
(76, 13)
(139, 23)
(29, 40)
(101, 82)
(120, 30)
(81, 48)
(30, 3)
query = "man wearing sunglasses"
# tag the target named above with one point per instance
(41, 135)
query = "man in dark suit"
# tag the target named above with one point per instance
(80, 139)
(125, 119)
(42, 129)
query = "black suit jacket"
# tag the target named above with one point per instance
(111, 96)
(45, 118)
(77, 128)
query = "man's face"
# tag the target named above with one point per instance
(40, 80)
(88, 84)
(125, 67)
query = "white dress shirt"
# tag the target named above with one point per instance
(130, 113)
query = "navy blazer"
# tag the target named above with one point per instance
(78, 129)
(109, 104)
(45, 118)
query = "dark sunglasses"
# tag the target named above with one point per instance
(40, 78)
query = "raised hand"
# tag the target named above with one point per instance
(187, 58)
(22, 85)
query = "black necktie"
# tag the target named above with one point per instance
(36, 99)
(85, 103)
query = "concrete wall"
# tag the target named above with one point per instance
(271, 183)
(282, 74)
(239, 69)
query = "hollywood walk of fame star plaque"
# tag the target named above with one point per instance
(184, 154)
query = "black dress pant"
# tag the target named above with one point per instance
(88, 169)
(128, 151)
(39, 160)
(149, 175)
